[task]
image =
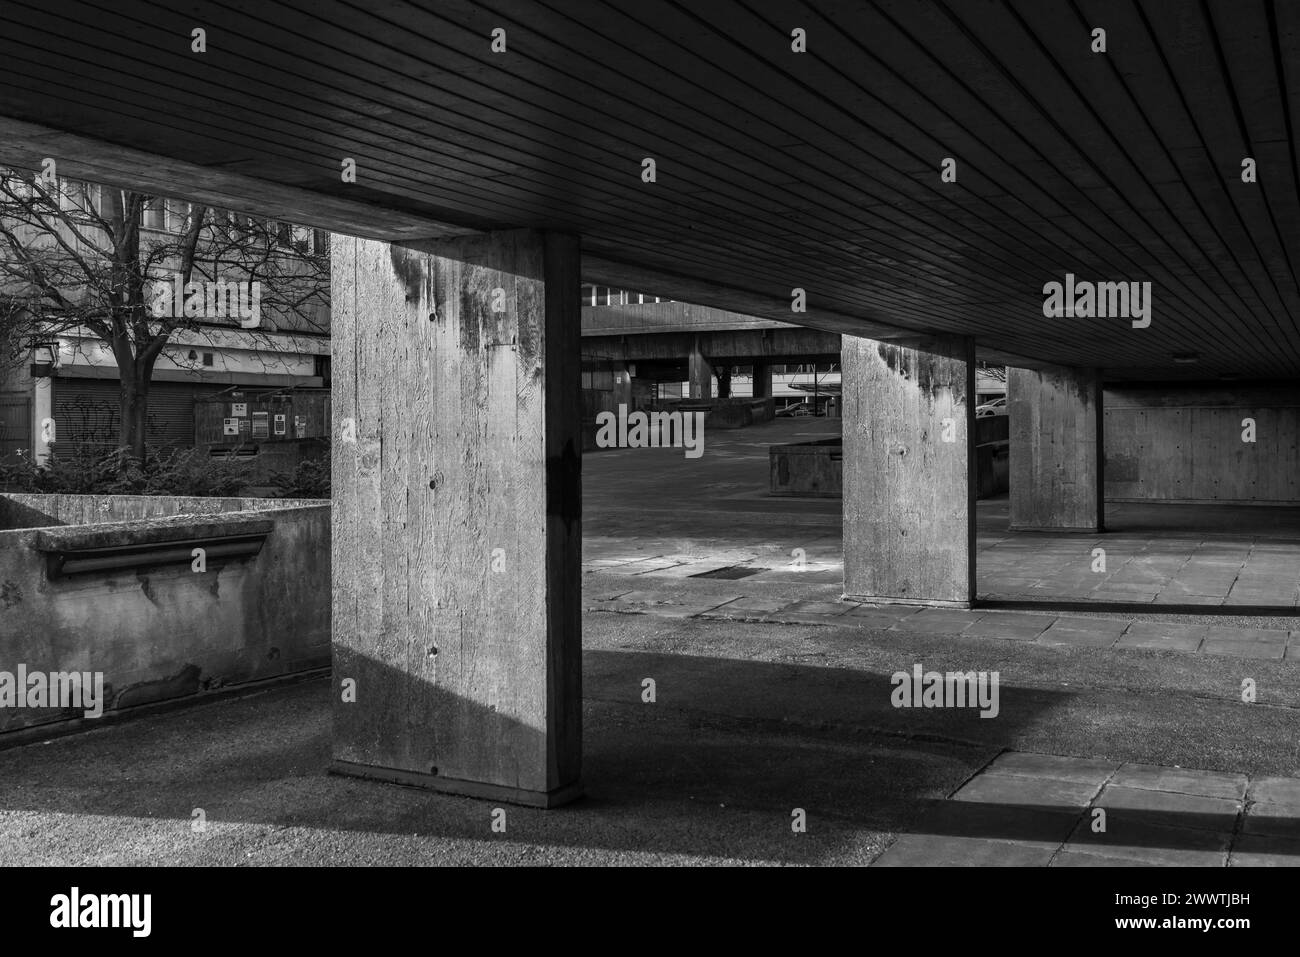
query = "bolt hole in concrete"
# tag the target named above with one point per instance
(433, 769)
(433, 651)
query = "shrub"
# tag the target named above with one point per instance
(90, 471)
(309, 479)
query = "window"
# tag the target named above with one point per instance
(89, 198)
(178, 212)
(155, 213)
(207, 359)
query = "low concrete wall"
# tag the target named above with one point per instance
(154, 627)
(816, 469)
(813, 469)
(1184, 444)
(730, 413)
(20, 510)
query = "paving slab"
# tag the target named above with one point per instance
(1084, 632)
(810, 612)
(746, 607)
(940, 621)
(653, 603)
(1152, 844)
(1167, 808)
(1217, 784)
(1009, 626)
(681, 610)
(932, 850)
(882, 617)
(1017, 823)
(1060, 767)
(641, 566)
(1015, 789)
(1258, 850)
(1243, 649)
(1073, 857)
(1229, 632)
(1163, 636)
(1270, 790)
(689, 569)
(1277, 820)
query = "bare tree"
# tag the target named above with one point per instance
(79, 257)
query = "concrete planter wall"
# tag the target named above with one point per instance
(83, 590)
(724, 413)
(813, 469)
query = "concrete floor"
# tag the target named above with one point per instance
(772, 697)
(656, 512)
(751, 722)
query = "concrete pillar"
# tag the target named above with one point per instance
(701, 373)
(762, 380)
(622, 386)
(456, 515)
(1056, 452)
(909, 482)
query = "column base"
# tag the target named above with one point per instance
(923, 602)
(474, 789)
(1068, 529)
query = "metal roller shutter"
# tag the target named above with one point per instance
(86, 413)
(15, 425)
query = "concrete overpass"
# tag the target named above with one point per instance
(490, 182)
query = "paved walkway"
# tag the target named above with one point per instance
(655, 597)
(1043, 810)
(655, 512)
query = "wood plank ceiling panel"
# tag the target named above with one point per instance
(775, 169)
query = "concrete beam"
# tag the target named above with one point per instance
(26, 145)
(909, 474)
(775, 345)
(456, 516)
(1056, 449)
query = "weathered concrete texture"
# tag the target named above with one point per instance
(31, 510)
(1055, 432)
(160, 630)
(909, 485)
(1204, 444)
(457, 484)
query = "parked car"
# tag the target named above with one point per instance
(996, 406)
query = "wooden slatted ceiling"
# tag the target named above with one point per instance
(775, 169)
